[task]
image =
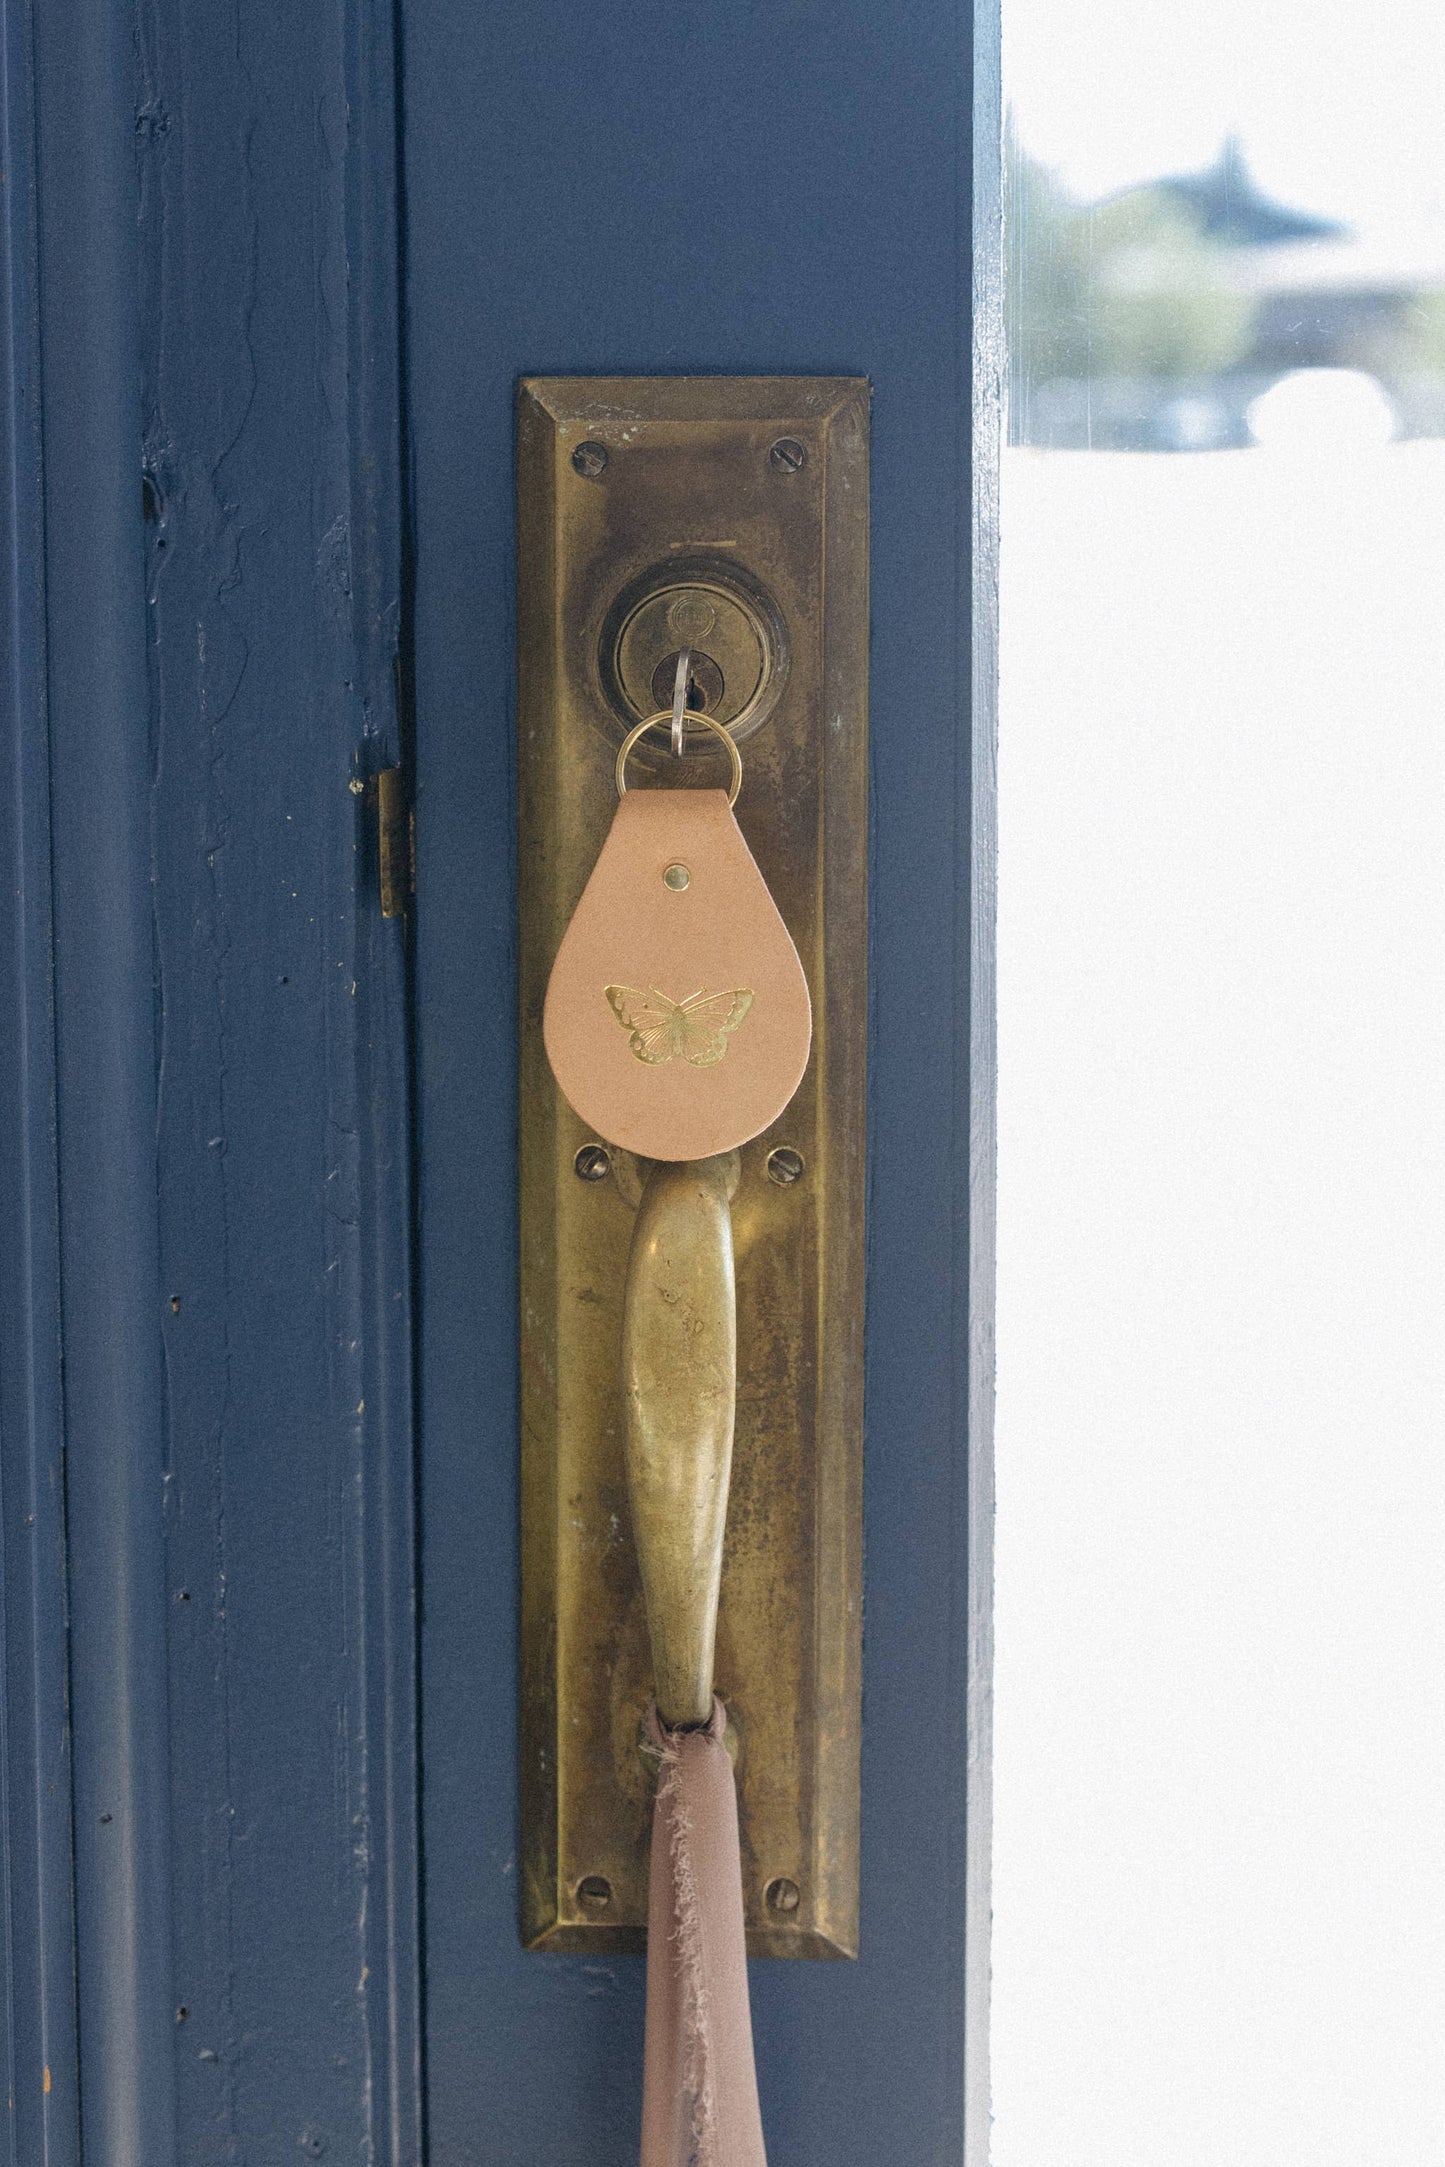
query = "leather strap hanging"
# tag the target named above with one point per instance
(699, 2089)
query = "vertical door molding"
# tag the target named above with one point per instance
(209, 1156)
(266, 161)
(38, 2072)
(105, 1075)
(978, 1137)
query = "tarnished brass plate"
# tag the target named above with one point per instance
(746, 497)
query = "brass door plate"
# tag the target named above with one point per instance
(726, 513)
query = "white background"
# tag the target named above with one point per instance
(1220, 1863)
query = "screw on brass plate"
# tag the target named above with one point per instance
(788, 455)
(595, 1893)
(781, 1895)
(592, 1163)
(589, 459)
(785, 1166)
(675, 876)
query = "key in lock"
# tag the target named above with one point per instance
(734, 633)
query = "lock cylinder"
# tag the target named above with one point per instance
(723, 617)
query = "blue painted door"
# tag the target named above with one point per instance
(272, 273)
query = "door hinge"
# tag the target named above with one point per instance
(395, 843)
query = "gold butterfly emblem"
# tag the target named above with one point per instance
(695, 1030)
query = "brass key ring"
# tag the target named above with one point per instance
(691, 714)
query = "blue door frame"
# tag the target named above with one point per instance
(257, 1252)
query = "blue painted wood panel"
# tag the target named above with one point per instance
(204, 1257)
(774, 186)
(212, 1948)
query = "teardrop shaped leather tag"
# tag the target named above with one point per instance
(677, 1018)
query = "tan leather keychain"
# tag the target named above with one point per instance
(677, 1018)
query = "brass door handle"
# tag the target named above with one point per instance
(679, 1366)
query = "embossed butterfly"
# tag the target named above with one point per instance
(695, 1030)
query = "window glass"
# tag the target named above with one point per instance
(1220, 1791)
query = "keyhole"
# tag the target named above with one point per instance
(704, 685)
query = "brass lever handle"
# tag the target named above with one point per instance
(679, 1366)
